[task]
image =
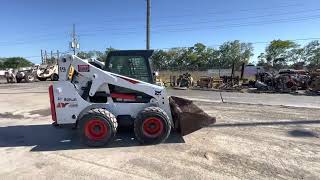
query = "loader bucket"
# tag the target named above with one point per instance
(187, 116)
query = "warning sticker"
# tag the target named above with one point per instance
(84, 68)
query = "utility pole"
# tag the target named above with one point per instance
(56, 60)
(41, 57)
(148, 24)
(57, 54)
(74, 43)
(74, 38)
(45, 57)
(51, 58)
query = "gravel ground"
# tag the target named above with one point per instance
(277, 140)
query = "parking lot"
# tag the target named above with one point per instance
(257, 136)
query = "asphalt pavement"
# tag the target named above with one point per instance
(249, 141)
(291, 100)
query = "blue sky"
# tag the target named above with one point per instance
(28, 26)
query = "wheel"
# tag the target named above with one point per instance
(152, 126)
(18, 80)
(97, 127)
(30, 77)
(54, 77)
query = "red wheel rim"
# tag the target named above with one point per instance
(96, 129)
(152, 127)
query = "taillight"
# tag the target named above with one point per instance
(52, 105)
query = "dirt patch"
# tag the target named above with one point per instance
(41, 112)
(11, 116)
(163, 169)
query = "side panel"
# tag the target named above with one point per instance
(69, 104)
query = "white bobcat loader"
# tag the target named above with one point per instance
(46, 71)
(96, 100)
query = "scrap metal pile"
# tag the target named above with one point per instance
(315, 80)
(287, 81)
(284, 81)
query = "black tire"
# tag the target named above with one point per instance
(54, 77)
(97, 128)
(18, 80)
(29, 77)
(152, 126)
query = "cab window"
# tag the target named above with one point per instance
(130, 66)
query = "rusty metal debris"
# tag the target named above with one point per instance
(315, 80)
(185, 80)
(209, 82)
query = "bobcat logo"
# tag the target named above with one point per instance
(62, 105)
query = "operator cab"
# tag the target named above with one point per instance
(131, 63)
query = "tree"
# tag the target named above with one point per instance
(262, 61)
(160, 60)
(312, 54)
(201, 57)
(85, 55)
(101, 56)
(297, 58)
(213, 56)
(175, 60)
(1, 63)
(234, 52)
(16, 62)
(277, 52)
(296, 55)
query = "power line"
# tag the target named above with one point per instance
(30, 42)
(242, 18)
(130, 19)
(39, 56)
(237, 11)
(104, 29)
(258, 23)
(258, 42)
(223, 20)
(215, 45)
(35, 37)
(185, 29)
(175, 25)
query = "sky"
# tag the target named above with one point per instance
(29, 26)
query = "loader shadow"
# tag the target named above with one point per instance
(272, 123)
(35, 92)
(303, 133)
(48, 138)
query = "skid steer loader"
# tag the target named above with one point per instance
(95, 100)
